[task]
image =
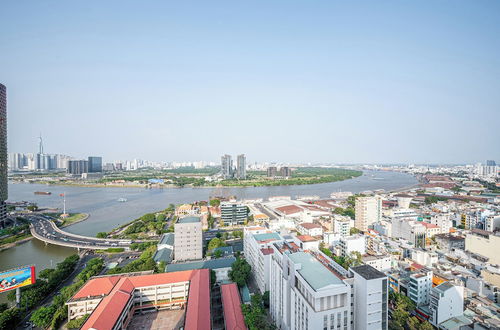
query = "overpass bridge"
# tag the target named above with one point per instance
(47, 231)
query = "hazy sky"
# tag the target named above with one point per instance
(318, 81)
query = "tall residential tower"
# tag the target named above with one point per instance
(3, 154)
(241, 167)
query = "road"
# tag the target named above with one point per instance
(44, 229)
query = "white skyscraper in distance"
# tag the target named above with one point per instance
(367, 211)
(226, 167)
(241, 167)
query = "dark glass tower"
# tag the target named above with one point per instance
(3, 154)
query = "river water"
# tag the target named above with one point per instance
(107, 213)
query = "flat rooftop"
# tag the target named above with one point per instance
(165, 319)
(189, 220)
(367, 272)
(267, 237)
(313, 271)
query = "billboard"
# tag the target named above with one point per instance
(16, 278)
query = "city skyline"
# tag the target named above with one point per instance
(363, 83)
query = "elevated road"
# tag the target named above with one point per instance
(47, 231)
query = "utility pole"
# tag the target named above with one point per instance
(18, 297)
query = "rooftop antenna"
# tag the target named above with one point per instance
(40, 144)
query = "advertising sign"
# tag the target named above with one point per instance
(16, 278)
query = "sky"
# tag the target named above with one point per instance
(281, 81)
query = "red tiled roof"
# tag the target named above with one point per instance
(198, 307)
(306, 238)
(117, 291)
(429, 225)
(231, 303)
(97, 286)
(309, 225)
(266, 251)
(289, 209)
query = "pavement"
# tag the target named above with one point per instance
(164, 319)
(44, 229)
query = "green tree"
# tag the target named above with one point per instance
(77, 324)
(214, 202)
(148, 217)
(32, 208)
(161, 217)
(354, 231)
(101, 234)
(42, 317)
(240, 272)
(215, 243)
(217, 254)
(425, 326)
(9, 318)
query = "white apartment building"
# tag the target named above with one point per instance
(311, 229)
(381, 263)
(353, 243)
(188, 239)
(443, 221)
(367, 211)
(492, 223)
(256, 247)
(410, 230)
(423, 257)
(420, 286)
(306, 294)
(370, 291)
(446, 301)
(341, 226)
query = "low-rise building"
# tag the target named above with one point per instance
(311, 229)
(350, 244)
(420, 285)
(446, 302)
(233, 214)
(381, 263)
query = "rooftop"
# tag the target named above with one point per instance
(368, 272)
(309, 225)
(210, 264)
(289, 209)
(267, 237)
(444, 286)
(313, 271)
(163, 255)
(167, 239)
(306, 238)
(188, 220)
(233, 316)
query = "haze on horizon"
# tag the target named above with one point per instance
(291, 81)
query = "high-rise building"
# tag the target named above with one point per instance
(3, 154)
(226, 167)
(370, 292)
(95, 164)
(78, 167)
(233, 213)
(272, 171)
(241, 167)
(188, 239)
(286, 171)
(491, 163)
(367, 211)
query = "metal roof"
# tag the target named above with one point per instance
(210, 264)
(163, 255)
(267, 236)
(167, 239)
(188, 220)
(313, 271)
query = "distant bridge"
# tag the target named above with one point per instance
(47, 231)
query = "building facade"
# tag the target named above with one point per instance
(368, 210)
(226, 167)
(3, 154)
(446, 301)
(188, 242)
(241, 167)
(95, 164)
(233, 213)
(370, 291)
(78, 167)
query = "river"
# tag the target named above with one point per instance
(107, 213)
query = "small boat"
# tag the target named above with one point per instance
(43, 193)
(122, 200)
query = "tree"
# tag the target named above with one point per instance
(148, 217)
(265, 299)
(32, 207)
(9, 318)
(240, 272)
(101, 234)
(214, 202)
(354, 231)
(218, 254)
(425, 326)
(77, 324)
(42, 316)
(161, 217)
(215, 243)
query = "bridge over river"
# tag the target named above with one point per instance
(47, 231)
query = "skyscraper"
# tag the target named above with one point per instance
(95, 164)
(3, 154)
(241, 167)
(491, 163)
(78, 167)
(226, 167)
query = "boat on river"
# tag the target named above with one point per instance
(43, 193)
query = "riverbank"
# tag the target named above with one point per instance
(19, 241)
